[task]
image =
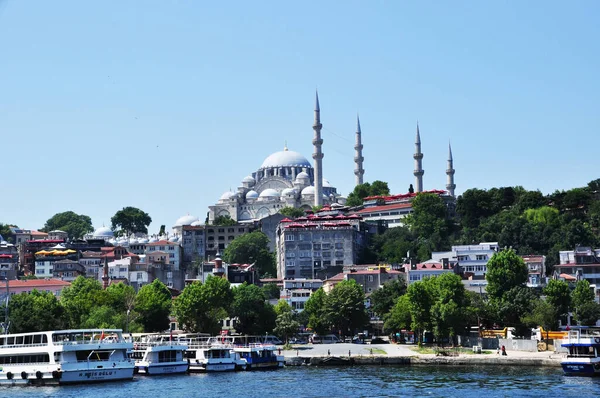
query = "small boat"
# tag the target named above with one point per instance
(208, 355)
(260, 356)
(65, 357)
(156, 354)
(583, 358)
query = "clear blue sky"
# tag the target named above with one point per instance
(164, 105)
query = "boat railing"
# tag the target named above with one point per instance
(142, 345)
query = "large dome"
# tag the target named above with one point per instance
(185, 220)
(103, 232)
(285, 158)
(269, 193)
(310, 190)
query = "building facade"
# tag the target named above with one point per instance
(318, 246)
(536, 267)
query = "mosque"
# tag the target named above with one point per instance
(287, 179)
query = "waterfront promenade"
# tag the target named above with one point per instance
(392, 354)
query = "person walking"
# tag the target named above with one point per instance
(503, 351)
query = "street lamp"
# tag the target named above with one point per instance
(127, 323)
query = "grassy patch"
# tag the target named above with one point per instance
(423, 350)
(377, 351)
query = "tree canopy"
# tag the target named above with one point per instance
(75, 225)
(35, 312)
(251, 248)
(505, 270)
(292, 212)
(384, 298)
(6, 233)
(345, 307)
(130, 220)
(224, 221)
(361, 191)
(255, 315)
(153, 303)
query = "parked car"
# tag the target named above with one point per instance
(379, 340)
(298, 340)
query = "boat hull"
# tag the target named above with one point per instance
(581, 369)
(212, 367)
(162, 369)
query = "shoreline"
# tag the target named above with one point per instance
(393, 355)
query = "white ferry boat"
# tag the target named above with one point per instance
(156, 354)
(583, 358)
(65, 356)
(207, 355)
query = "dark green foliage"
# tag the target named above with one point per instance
(251, 248)
(383, 299)
(80, 298)
(202, 307)
(271, 291)
(6, 233)
(345, 308)
(558, 295)
(224, 221)
(35, 312)
(153, 303)
(361, 191)
(505, 270)
(255, 316)
(76, 225)
(314, 309)
(130, 220)
(292, 212)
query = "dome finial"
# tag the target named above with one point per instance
(285, 148)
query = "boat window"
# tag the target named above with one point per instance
(167, 356)
(93, 355)
(33, 358)
(581, 351)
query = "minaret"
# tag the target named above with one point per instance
(450, 185)
(105, 278)
(358, 157)
(418, 163)
(318, 155)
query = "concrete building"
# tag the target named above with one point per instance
(296, 292)
(9, 261)
(219, 237)
(45, 259)
(583, 263)
(171, 250)
(58, 234)
(54, 286)
(536, 266)
(416, 272)
(318, 246)
(67, 270)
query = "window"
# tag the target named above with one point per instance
(339, 245)
(370, 278)
(481, 257)
(221, 230)
(230, 237)
(230, 229)
(339, 262)
(289, 237)
(171, 247)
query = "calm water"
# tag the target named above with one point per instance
(339, 382)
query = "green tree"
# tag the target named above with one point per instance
(393, 245)
(515, 303)
(292, 212)
(588, 313)
(543, 314)
(202, 307)
(581, 297)
(473, 206)
(251, 248)
(558, 295)
(315, 310)
(224, 221)
(153, 303)
(450, 301)
(428, 222)
(281, 307)
(6, 233)
(383, 299)
(76, 225)
(345, 307)
(35, 312)
(271, 291)
(131, 220)
(286, 326)
(80, 298)
(399, 317)
(105, 317)
(255, 316)
(361, 191)
(420, 303)
(505, 270)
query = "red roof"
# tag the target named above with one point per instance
(286, 220)
(393, 206)
(568, 277)
(161, 243)
(6, 256)
(37, 283)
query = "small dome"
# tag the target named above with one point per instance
(310, 190)
(143, 240)
(326, 183)
(249, 180)
(174, 239)
(153, 239)
(227, 195)
(285, 159)
(103, 232)
(288, 191)
(196, 223)
(252, 195)
(302, 176)
(185, 220)
(269, 193)
(133, 241)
